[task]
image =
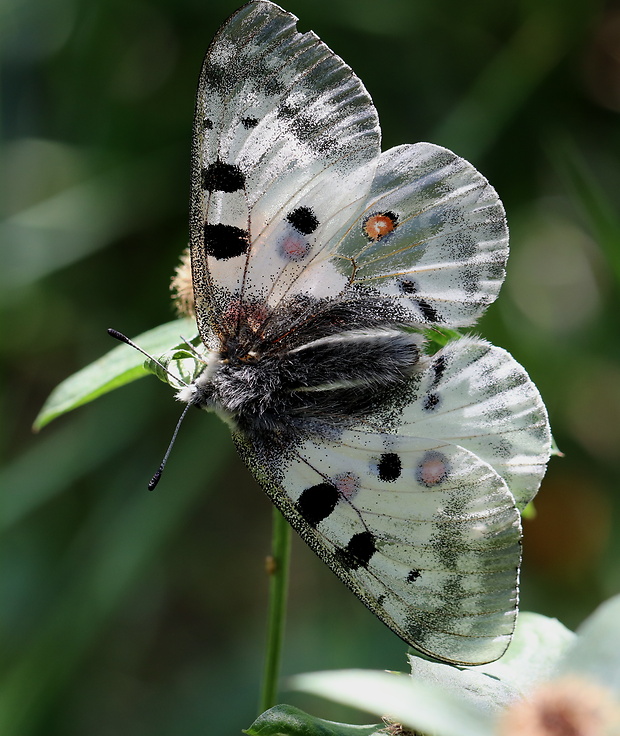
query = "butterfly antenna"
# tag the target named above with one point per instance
(123, 338)
(156, 478)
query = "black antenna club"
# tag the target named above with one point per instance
(123, 338)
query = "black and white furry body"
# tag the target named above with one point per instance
(321, 361)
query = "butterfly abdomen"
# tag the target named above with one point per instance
(364, 359)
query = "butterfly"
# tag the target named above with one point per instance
(320, 266)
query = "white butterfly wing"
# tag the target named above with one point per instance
(432, 236)
(284, 132)
(425, 534)
(414, 508)
(477, 396)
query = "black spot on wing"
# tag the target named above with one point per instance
(389, 467)
(222, 177)
(413, 576)
(317, 502)
(303, 220)
(249, 123)
(428, 311)
(225, 241)
(409, 287)
(207, 124)
(438, 368)
(360, 548)
(431, 402)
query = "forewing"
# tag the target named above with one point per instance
(425, 534)
(432, 236)
(284, 145)
(477, 396)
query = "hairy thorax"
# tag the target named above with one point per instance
(336, 364)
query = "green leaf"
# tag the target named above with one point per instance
(178, 366)
(537, 645)
(284, 720)
(439, 337)
(422, 706)
(121, 365)
(529, 512)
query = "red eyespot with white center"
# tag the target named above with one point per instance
(379, 224)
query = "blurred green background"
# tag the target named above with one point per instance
(128, 612)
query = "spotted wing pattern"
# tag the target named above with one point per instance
(425, 533)
(414, 507)
(432, 236)
(290, 194)
(477, 396)
(285, 143)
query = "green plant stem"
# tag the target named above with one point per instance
(278, 567)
